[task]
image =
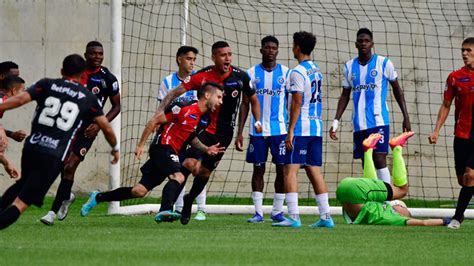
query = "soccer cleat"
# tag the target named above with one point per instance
(91, 203)
(200, 216)
(454, 224)
(186, 211)
(256, 218)
(63, 211)
(167, 216)
(288, 222)
(401, 140)
(278, 217)
(371, 141)
(49, 218)
(328, 223)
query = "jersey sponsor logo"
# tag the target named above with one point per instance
(44, 141)
(230, 84)
(95, 79)
(83, 152)
(175, 109)
(464, 80)
(270, 92)
(95, 90)
(235, 93)
(370, 86)
(65, 90)
(81, 95)
(373, 73)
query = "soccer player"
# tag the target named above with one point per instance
(62, 106)
(364, 200)
(367, 76)
(103, 84)
(178, 127)
(186, 59)
(268, 79)
(304, 141)
(459, 86)
(9, 68)
(221, 127)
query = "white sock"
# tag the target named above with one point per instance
(323, 205)
(292, 203)
(257, 198)
(278, 200)
(201, 200)
(384, 175)
(178, 205)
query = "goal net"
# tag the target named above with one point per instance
(422, 38)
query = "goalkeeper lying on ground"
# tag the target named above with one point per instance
(365, 200)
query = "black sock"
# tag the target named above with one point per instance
(465, 196)
(9, 196)
(9, 216)
(119, 194)
(185, 172)
(198, 186)
(169, 194)
(63, 193)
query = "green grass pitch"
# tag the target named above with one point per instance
(224, 240)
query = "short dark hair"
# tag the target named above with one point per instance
(9, 81)
(219, 44)
(6, 66)
(184, 50)
(469, 40)
(269, 38)
(305, 41)
(208, 86)
(73, 65)
(365, 31)
(93, 44)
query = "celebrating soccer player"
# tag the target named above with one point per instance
(367, 76)
(460, 86)
(62, 105)
(179, 125)
(221, 127)
(365, 200)
(268, 79)
(304, 141)
(186, 59)
(103, 85)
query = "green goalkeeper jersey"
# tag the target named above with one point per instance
(360, 190)
(379, 214)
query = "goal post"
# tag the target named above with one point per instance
(422, 38)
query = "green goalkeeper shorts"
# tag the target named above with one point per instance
(378, 213)
(360, 190)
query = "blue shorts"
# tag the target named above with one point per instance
(257, 153)
(306, 151)
(360, 136)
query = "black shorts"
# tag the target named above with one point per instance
(208, 139)
(162, 163)
(38, 172)
(82, 144)
(463, 155)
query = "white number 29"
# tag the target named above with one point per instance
(68, 113)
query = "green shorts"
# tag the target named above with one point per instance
(360, 190)
(378, 213)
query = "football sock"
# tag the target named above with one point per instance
(399, 170)
(369, 167)
(169, 194)
(201, 200)
(278, 200)
(9, 216)
(322, 200)
(292, 203)
(178, 201)
(198, 185)
(9, 196)
(465, 196)
(257, 198)
(63, 193)
(384, 175)
(119, 194)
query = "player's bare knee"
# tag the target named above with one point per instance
(190, 164)
(139, 191)
(380, 160)
(204, 173)
(177, 177)
(468, 177)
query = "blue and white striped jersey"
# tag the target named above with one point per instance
(307, 80)
(369, 84)
(171, 82)
(270, 87)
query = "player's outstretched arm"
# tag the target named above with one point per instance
(151, 126)
(428, 222)
(243, 113)
(209, 150)
(109, 134)
(400, 97)
(256, 112)
(9, 167)
(341, 107)
(170, 96)
(16, 101)
(442, 115)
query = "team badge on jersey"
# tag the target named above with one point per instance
(373, 73)
(83, 151)
(175, 109)
(235, 93)
(115, 86)
(95, 90)
(353, 77)
(281, 80)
